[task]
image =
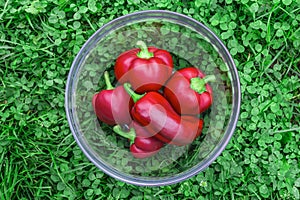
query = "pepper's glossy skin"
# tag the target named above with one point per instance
(182, 97)
(143, 144)
(144, 74)
(113, 106)
(156, 114)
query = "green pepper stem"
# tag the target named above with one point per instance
(107, 81)
(198, 84)
(209, 78)
(135, 97)
(144, 53)
(131, 135)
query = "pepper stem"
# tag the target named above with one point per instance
(198, 84)
(107, 81)
(135, 97)
(144, 53)
(129, 135)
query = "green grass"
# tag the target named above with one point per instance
(39, 158)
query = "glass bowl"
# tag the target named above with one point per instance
(191, 44)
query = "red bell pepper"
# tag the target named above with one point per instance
(188, 92)
(112, 106)
(143, 145)
(145, 68)
(152, 111)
